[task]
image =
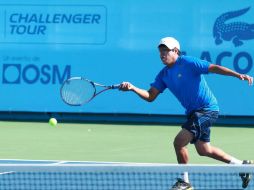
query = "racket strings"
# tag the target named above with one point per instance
(76, 92)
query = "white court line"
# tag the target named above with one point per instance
(9, 172)
(58, 163)
(67, 161)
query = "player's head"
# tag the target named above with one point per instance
(169, 49)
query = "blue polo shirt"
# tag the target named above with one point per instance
(186, 81)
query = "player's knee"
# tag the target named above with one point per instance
(203, 152)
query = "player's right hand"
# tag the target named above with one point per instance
(126, 86)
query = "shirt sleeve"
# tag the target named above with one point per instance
(201, 66)
(158, 83)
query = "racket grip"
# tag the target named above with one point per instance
(115, 86)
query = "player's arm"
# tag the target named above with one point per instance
(213, 68)
(148, 95)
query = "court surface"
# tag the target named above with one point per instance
(71, 143)
(111, 142)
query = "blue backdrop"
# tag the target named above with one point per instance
(109, 41)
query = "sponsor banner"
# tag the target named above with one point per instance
(42, 44)
(57, 24)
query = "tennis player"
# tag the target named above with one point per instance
(184, 77)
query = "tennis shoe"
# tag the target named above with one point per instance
(181, 185)
(246, 177)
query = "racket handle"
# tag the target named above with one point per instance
(115, 86)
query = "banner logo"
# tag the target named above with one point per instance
(53, 24)
(237, 32)
(32, 74)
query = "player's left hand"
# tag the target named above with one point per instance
(248, 78)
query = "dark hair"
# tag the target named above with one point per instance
(178, 52)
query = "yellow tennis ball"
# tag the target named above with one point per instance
(52, 122)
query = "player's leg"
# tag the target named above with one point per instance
(203, 123)
(206, 149)
(190, 133)
(182, 139)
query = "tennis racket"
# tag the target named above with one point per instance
(77, 91)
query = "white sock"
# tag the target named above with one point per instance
(185, 177)
(235, 161)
